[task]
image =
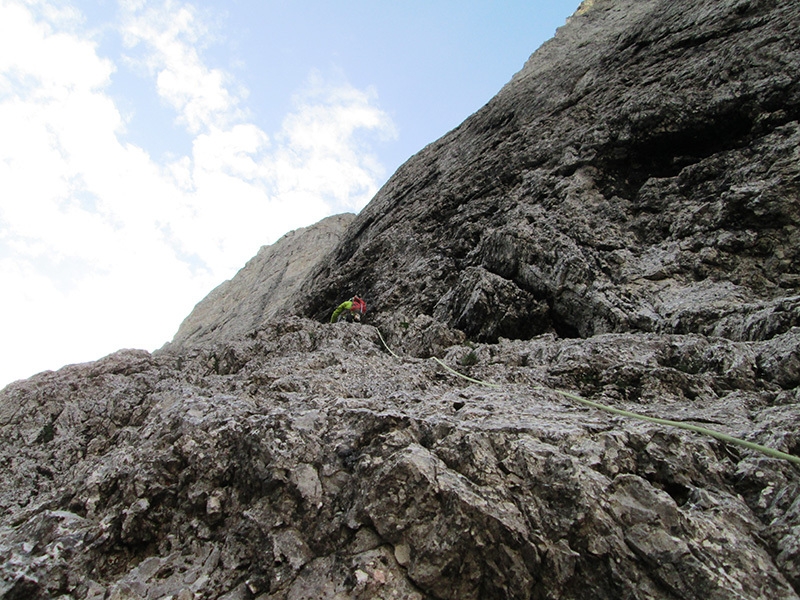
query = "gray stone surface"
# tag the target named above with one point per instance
(620, 222)
(640, 173)
(267, 283)
(305, 461)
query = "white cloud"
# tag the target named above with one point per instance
(171, 34)
(104, 247)
(322, 136)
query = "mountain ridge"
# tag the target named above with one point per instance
(265, 285)
(619, 223)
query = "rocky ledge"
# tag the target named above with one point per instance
(305, 460)
(621, 223)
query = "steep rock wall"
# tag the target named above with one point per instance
(267, 283)
(639, 178)
(640, 173)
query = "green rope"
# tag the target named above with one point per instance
(626, 413)
(478, 381)
(385, 345)
(696, 428)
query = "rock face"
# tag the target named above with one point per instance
(305, 461)
(620, 222)
(641, 173)
(267, 283)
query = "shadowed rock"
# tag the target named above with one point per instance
(621, 221)
(640, 173)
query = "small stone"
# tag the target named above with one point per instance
(214, 504)
(361, 576)
(402, 553)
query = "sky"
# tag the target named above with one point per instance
(149, 148)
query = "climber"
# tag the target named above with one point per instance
(350, 310)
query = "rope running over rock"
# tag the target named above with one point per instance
(626, 413)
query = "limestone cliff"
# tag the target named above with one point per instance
(267, 283)
(619, 223)
(640, 173)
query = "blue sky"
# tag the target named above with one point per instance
(148, 148)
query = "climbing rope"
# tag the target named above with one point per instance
(688, 426)
(478, 381)
(385, 345)
(626, 413)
